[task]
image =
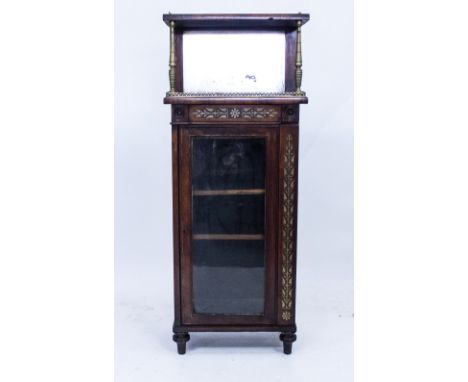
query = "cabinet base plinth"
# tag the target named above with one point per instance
(287, 337)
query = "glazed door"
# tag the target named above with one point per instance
(228, 201)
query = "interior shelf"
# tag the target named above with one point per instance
(252, 191)
(227, 237)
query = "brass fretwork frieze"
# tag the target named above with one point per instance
(287, 249)
(235, 113)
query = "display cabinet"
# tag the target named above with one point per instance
(235, 91)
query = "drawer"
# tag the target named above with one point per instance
(235, 113)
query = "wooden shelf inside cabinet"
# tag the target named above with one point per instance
(228, 237)
(235, 93)
(253, 191)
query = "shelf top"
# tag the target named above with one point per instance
(236, 20)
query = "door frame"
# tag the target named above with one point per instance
(270, 133)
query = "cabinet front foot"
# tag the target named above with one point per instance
(181, 339)
(288, 339)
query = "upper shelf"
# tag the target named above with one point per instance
(235, 58)
(237, 20)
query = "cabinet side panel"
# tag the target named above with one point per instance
(175, 219)
(185, 208)
(287, 176)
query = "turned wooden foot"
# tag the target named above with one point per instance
(288, 339)
(181, 339)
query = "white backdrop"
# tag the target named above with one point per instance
(143, 206)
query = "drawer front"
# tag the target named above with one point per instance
(235, 113)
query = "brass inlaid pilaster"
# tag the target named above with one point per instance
(298, 59)
(172, 61)
(287, 250)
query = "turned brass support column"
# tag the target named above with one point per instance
(172, 61)
(298, 59)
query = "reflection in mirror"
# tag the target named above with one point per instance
(234, 61)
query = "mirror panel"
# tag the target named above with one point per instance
(234, 61)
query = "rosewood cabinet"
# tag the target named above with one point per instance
(235, 91)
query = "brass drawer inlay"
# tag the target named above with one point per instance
(235, 113)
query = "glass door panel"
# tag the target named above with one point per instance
(228, 225)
